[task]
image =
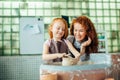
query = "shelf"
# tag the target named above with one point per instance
(102, 41)
(102, 50)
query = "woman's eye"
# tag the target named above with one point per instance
(63, 29)
(81, 30)
(75, 30)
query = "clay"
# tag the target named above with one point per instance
(67, 61)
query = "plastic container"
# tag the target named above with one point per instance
(48, 76)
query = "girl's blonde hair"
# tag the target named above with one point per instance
(51, 25)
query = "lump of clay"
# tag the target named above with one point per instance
(68, 60)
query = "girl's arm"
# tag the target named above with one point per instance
(47, 56)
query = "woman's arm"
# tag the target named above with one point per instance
(72, 49)
(84, 44)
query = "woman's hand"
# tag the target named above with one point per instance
(74, 61)
(86, 43)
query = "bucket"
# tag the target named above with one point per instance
(48, 76)
(109, 79)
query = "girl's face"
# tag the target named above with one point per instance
(79, 32)
(58, 29)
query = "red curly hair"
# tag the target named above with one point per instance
(90, 31)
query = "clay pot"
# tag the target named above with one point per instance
(67, 61)
(48, 76)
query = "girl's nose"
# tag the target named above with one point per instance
(60, 30)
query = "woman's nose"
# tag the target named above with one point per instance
(77, 33)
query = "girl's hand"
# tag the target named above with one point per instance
(86, 43)
(60, 55)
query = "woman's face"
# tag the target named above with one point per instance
(79, 32)
(58, 29)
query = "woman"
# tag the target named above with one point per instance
(83, 37)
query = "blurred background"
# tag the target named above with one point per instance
(105, 14)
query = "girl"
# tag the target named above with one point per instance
(55, 47)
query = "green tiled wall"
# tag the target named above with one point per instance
(105, 15)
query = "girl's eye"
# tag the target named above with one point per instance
(58, 28)
(81, 30)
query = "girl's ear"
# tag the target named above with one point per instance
(50, 28)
